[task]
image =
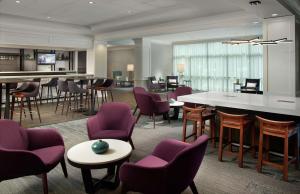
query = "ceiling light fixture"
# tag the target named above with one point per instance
(48, 17)
(254, 2)
(255, 22)
(274, 14)
(258, 41)
(91, 2)
(18, 2)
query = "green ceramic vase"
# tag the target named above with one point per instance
(100, 147)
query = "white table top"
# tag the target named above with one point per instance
(24, 78)
(255, 102)
(82, 153)
(176, 103)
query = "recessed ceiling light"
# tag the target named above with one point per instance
(91, 2)
(18, 1)
(255, 22)
(130, 12)
(48, 17)
(274, 14)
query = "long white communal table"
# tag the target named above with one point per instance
(254, 102)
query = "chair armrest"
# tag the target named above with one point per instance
(171, 95)
(161, 106)
(41, 138)
(169, 148)
(140, 178)
(17, 163)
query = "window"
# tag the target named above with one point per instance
(214, 66)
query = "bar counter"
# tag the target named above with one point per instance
(21, 73)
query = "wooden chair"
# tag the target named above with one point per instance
(238, 122)
(32, 91)
(198, 116)
(280, 129)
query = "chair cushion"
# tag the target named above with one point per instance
(50, 155)
(152, 161)
(251, 85)
(111, 134)
(174, 81)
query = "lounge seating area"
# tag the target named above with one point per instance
(152, 97)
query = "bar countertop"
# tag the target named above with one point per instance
(21, 73)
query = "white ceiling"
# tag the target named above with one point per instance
(113, 15)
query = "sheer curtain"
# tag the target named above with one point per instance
(215, 66)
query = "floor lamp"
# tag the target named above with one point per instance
(130, 69)
(180, 70)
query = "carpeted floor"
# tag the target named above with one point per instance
(213, 176)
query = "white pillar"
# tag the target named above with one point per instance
(97, 60)
(142, 69)
(280, 60)
(76, 61)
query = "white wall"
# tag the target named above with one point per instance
(280, 60)
(117, 60)
(161, 60)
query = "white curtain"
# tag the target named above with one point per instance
(214, 66)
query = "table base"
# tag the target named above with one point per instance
(110, 181)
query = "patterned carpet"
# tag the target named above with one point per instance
(213, 176)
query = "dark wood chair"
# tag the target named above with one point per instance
(285, 130)
(198, 116)
(251, 86)
(240, 123)
(172, 82)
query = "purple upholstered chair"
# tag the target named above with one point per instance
(150, 104)
(137, 90)
(113, 121)
(170, 169)
(25, 152)
(180, 91)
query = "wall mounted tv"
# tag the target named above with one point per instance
(46, 59)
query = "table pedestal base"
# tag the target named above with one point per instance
(110, 181)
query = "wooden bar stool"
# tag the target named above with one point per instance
(198, 116)
(32, 91)
(280, 129)
(238, 122)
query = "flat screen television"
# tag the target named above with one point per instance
(46, 59)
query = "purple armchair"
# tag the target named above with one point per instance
(137, 90)
(113, 121)
(180, 91)
(170, 169)
(152, 105)
(25, 152)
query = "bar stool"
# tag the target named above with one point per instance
(98, 84)
(50, 85)
(198, 116)
(75, 92)
(62, 88)
(281, 129)
(32, 91)
(240, 123)
(106, 88)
